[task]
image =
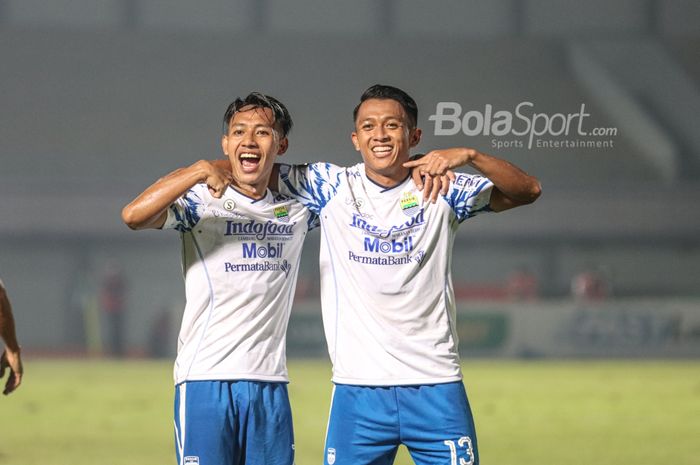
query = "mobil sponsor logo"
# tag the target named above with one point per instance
(256, 250)
(361, 223)
(258, 230)
(394, 246)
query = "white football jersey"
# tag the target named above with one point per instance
(240, 259)
(386, 290)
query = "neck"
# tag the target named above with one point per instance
(256, 192)
(388, 179)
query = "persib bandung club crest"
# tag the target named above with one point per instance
(409, 204)
(331, 456)
(282, 214)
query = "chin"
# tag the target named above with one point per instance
(386, 166)
(251, 179)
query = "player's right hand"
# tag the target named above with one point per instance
(13, 362)
(218, 177)
(432, 186)
(436, 186)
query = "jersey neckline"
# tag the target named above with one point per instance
(267, 198)
(378, 187)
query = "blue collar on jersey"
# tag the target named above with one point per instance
(384, 188)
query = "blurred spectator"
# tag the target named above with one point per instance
(10, 358)
(523, 284)
(112, 303)
(590, 285)
(159, 337)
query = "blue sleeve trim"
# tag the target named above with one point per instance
(462, 200)
(313, 185)
(186, 211)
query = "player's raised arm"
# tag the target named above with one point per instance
(512, 186)
(10, 358)
(149, 209)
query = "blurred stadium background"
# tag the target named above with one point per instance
(101, 97)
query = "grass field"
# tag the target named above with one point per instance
(546, 413)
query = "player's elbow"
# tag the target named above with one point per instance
(130, 217)
(526, 196)
(534, 191)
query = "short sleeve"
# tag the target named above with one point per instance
(186, 211)
(313, 185)
(469, 195)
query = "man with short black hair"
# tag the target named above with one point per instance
(386, 288)
(241, 252)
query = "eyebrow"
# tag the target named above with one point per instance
(379, 118)
(244, 125)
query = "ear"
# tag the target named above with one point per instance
(224, 145)
(355, 142)
(284, 145)
(414, 137)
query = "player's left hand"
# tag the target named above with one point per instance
(12, 361)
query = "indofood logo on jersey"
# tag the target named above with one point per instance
(259, 231)
(361, 223)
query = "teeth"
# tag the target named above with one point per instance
(381, 149)
(249, 156)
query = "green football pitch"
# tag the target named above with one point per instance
(540, 412)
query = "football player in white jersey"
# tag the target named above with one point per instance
(386, 289)
(241, 251)
(10, 359)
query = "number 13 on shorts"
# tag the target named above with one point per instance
(463, 444)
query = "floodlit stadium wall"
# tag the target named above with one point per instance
(619, 328)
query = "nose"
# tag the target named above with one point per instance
(380, 134)
(249, 140)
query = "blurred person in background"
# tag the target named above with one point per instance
(522, 285)
(10, 359)
(590, 285)
(113, 304)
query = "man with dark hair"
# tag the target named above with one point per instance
(10, 358)
(379, 91)
(386, 290)
(241, 252)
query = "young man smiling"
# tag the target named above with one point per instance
(386, 290)
(241, 251)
